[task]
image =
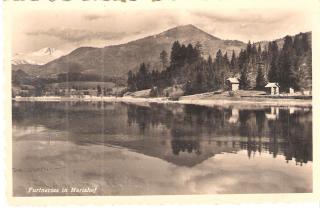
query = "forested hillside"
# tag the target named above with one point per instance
(290, 66)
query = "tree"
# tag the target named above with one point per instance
(273, 60)
(143, 78)
(211, 74)
(234, 63)
(164, 59)
(175, 54)
(260, 81)
(243, 67)
(273, 72)
(242, 60)
(244, 82)
(305, 42)
(226, 62)
(304, 78)
(218, 69)
(259, 53)
(249, 47)
(131, 82)
(190, 54)
(287, 64)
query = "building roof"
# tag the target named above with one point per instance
(233, 80)
(272, 84)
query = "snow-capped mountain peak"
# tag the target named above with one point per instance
(46, 51)
(19, 62)
(39, 57)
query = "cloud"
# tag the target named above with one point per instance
(78, 35)
(110, 27)
(244, 16)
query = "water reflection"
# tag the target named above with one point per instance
(175, 132)
(286, 132)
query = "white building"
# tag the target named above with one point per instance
(233, 84)
(274, 88)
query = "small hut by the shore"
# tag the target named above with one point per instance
(273, 88)
(232, 83)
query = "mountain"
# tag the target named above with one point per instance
(39, 57)
(280, 41)
(19, 62)
(26, 67)
(117, 60)
(19, 76)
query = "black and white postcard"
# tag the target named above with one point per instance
(161, 98)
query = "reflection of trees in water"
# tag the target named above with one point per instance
(147, 117)
(35, 112)
(75, 117)
(182, 120)
(288, 134)
(183, 145)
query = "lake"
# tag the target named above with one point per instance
(94, 148)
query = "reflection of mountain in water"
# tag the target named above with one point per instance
(180, 134)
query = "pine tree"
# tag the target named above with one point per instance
(226, 62)
(286, 64)
(143, 78)
(260, 81)
(175, 54)
(131, 82)
(249, 47)
(305, 42)
(218, 66)
(211, 74)
(259, 53)
(244, 82)
(164, 59)
(190, 56)
(234, 63)
(273, 59)
(273, 72)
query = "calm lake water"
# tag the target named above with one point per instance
(134, 149)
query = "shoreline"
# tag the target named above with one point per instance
(244, 102)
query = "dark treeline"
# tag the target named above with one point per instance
(78, 76)
(73, 74)
(290, 66)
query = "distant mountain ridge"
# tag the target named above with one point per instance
(117, 60)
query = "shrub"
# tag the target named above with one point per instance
(154, 92)
(174, 97)
(231, 93)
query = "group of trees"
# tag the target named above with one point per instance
(186, 66)
(290, 66)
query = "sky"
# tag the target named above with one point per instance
(101, 24)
